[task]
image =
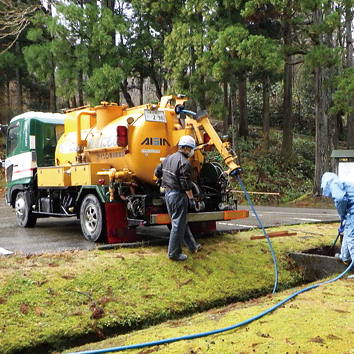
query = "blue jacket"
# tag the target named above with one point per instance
(342, 193)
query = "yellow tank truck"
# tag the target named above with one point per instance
(97, 164)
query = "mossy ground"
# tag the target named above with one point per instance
(318, 321)
(54, 301)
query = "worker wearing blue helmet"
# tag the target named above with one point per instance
(175, 173)
(342, 193)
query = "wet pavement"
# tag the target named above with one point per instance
(62, 234)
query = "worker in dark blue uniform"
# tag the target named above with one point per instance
(342, 193)
(176, 175)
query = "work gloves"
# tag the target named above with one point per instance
(192, 203)
(341, 228)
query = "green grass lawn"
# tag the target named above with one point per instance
(54, 301)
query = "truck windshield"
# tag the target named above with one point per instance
(12, 139)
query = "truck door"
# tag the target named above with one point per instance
(20, 160)
(11, 145)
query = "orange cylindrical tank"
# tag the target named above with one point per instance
(105, 114)
(149, 140)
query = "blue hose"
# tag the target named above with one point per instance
(258, 219)
(229, 328)
(205, 334)
(334, 243)
(265, 234)
(189, 112)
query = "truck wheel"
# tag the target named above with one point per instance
(24, 215)
(92, 218)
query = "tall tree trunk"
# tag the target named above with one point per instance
(141, 89)
(117, 95)
(242, 105)
(327, 93)
(80, 92)
(325, 128)
(73, 102)
(349, 40)
(157, 86)
(18, 79)
(202, 100)
(7, 93)
(234, 117)
(126, 94)
(287, 144)
(265, 110)
(52, 93)
(226, 104)
(320, 133)
(52, 98)
(165, 85)
(109, 3)
(326, 135)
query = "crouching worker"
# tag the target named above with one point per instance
(342, 193)
(176, 174)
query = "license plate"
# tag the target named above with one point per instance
(154, 116)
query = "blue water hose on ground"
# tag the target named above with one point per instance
(221, 330)
(229, 328)
(225, 329)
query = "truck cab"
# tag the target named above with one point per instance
(31, 143)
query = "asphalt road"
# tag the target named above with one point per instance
(56, 234)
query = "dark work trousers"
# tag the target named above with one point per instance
(177, 207)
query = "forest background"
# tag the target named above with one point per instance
(283, 65)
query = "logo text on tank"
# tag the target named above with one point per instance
(155, 142)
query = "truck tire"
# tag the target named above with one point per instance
(92, 219)
(24, 215)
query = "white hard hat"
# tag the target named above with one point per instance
(187, 140)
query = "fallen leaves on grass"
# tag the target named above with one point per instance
(38, 311)
(179, 283)
(317, 339)
(105, 300)
(263, 335)
(97, 312)
(68, 276)
(340, 311)
(24, 308)
(52, 265)
(40, 283)
(333, 337)
(289, 341)
(190, 269)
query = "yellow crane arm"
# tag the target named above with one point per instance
(224, 148)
